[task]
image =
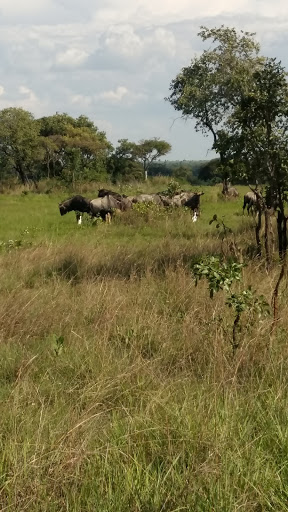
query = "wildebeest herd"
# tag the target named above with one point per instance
(108, 201)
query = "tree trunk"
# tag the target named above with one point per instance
(145, 174)
(282, 232)
(268, 241)
(257, 233)
(275, 305)
(225, 187)
(22, 175)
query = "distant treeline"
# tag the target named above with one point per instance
(195, 172)
(73, 150)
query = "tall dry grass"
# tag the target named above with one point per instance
(118, 386)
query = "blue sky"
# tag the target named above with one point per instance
(113, 61)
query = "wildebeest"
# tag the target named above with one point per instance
(194, 203)
(75, 203)
(105, 206)
(125, 201)
(165, 200)
(250, 200)
(146, 198)
(101, 206)
(189, 199)
(232, 192)
(176, 200)
(105, 192)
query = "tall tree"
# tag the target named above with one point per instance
(122, 163)
(259, 136)
(19, 143)
(129, 157)
(74, 147)
(149, 150)
(242, 100)
(209, 89)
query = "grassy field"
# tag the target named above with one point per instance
(118, 387)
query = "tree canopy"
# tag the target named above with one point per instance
(149, 150)
(19, 143)
(209, 89)
(60, 146)
(241, 98)
(135, 159)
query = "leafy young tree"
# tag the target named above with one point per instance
(149, 150)
(19, 143)
(122, 163)
(212, 86)
(130, 157)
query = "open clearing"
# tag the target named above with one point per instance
(118, 387)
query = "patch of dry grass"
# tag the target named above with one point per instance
(117, 382)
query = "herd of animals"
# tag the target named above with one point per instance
(109, 201)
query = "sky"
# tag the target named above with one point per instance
(114, 60)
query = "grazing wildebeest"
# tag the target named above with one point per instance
(176, 200)
(146, 198)
(180, 199)
(125, 201)
(78, 204)
(189, 199)
(194, 204)
(250, 200)
(101, 206)
(165, 200)
(232, 192)
(105, 206)
(105, 192)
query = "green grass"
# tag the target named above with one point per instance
(39, 215)
(118, 389)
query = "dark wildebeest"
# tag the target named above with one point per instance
(101, 206)
(194, 204)
(250, 200)
(78, 204)
(105, 192)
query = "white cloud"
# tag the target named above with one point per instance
(116, 95)
(104, 125)
(25, 98)
(113, 61)
(120, 94)
(81, 100)
(122, 39)
(9, 7)
(148, 12)
(127, 42)
(71, 58)
(29, 100)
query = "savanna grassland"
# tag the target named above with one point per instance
(119, 390)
